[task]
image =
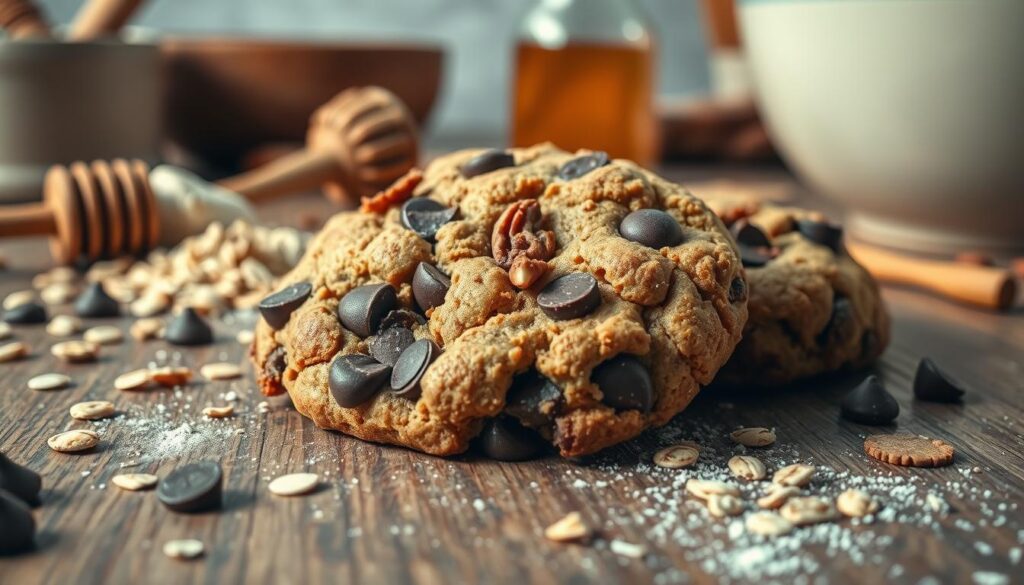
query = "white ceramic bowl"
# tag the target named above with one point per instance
(908, 112)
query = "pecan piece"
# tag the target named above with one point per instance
(396, 194)
(519, 245)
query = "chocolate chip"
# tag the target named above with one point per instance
(582, 165)
(652, 228)
(188, 328)
(362, 309)
(820, 232)
(487, 161)
(533, 399)
(410, 367)
(19, 527)
(870, 403)
(390, 343)
(95, 302)
(195, 487)
(276, 363)
(26, 314)
(425, 216)
(625, 383)
(356, 378)
(748, 234)
(429, 286)
(841, 327)
(278, 307)
(934, 385)
(757, 257)
(504, 439)
(20, 481)
(402, 318)
(570, 296)
(737, 290)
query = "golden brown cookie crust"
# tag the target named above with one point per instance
(909, 450)
(669, 307)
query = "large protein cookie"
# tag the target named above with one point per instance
(812, 308)
(516, 310)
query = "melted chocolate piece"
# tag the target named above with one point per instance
(870, 403)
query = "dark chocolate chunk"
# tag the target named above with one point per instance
(841, 326)
(29, 313)
(278, 307)
(748, 234)
(95, 302)
(196, 487)
(934, 385)
(362, 309)
(582, 165)
(625, 383)
(504, 439)
(425, 216)
(390, 343)
(757, 257)
(188, 328)
(17, 526)
(410, 367)
(652, 228)
(356, 378)
(276, 363)
(821, 232)
(870, 403)
(429, 286)
(20, 481)
(737, 290)
(402, 318)
(533, 399)
(487, 161)
(570, 296)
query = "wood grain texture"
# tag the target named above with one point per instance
(389, 515)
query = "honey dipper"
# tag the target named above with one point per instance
(109, 209)
(357, 144)
(22, 19)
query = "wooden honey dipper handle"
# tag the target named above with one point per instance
(23, 19)
(30, 219)
(984, 286)
(358, 143)
(100, 18)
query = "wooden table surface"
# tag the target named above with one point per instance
(389, 515)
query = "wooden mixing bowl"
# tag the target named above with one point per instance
(227, 96)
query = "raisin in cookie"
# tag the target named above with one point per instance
(812, 308)
(524, 298)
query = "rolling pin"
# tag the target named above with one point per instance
(109, 209)
(23, 19)
(101, 18)
(984, 286)
(358, 143)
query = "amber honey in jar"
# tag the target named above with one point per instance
(584, 78)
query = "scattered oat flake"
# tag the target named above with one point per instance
(103, 335)
(294, 484)
(170, 376)
(245, 336)
(5, 330)
(188, 548)
(569, 529)
(134, 482)
(50, 381)
(219, 411)
(676, 457)
(76, 351)
(12, 351)
(753, 436)
(627, 549)
(73, 441)
(220, 371)
(133, 380)
(93, 410)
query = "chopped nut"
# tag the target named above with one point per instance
(153, 302)
(188, 548)
(73, 441)
(134, 380)
(705, 488)
(753, 436)
(51, 381)
(676, 456)
(777, 496)
(724, 505)
(18, 298)
(856, 503)
(145, 329)
(170, 376)
(64, 326)
(76, 351)
(104, 335)
(134, 482)
(517, 234)
(219, 411)
(220, 371)
(768, 524)
(294, 484)
(747, 467)
(798, 475)
(804, 510)
(396, 194)
(568, 529)
(92, 410)
(12, 351)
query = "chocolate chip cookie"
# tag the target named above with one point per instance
(812, 308)
(522, 298)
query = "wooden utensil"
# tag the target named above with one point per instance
(358, 143)
(985, 286)
(23, 19)
(101, 18)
